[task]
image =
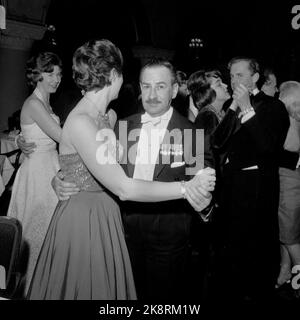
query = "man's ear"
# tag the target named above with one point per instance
(175, 90)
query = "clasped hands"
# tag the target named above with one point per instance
(198, 189)
(241, 98)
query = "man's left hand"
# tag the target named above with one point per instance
(242, 97)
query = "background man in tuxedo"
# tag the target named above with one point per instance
(157, 234)
(251, 135)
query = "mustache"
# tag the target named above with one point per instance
(153, 101)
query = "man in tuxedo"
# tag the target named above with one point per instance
(250, 136)
(157, 234)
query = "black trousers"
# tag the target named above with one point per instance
(158, 246)
(246, 255)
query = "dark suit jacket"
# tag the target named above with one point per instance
(164, 172)
(288, 159)
(259, 140)
(181, 104)
(249, 198)
(247, 226)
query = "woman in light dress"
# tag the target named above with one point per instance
(33, 200)
(84, 255)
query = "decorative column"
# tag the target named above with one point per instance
(15, 44)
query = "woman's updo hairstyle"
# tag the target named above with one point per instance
(204, 95)
(93, 62)
(40, 63)
(200, 90)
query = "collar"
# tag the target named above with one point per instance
(255, 91)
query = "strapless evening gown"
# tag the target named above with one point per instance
(84, 255)
(33, 200)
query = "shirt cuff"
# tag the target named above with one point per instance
(206, 217)
(248, 116)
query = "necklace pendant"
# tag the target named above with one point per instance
(104, 117)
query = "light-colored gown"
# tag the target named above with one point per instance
(33, 200)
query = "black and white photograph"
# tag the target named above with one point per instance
(150, 157)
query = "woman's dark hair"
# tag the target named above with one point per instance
(203, 95)
(42, 62)
(200, 90)
(93, 62)
(195, 79)
(213, 73)
(181, 77)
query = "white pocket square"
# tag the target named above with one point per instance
(177, 164)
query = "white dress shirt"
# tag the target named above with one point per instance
(151, 137)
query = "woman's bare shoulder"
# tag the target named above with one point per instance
(77, 121)
(30, 108)
(31, 102)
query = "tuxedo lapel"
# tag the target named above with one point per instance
(237, 124)
(257, 100)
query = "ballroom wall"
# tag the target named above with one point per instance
(24, 24)
(13, 89)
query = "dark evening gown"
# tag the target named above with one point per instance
(84, 255)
